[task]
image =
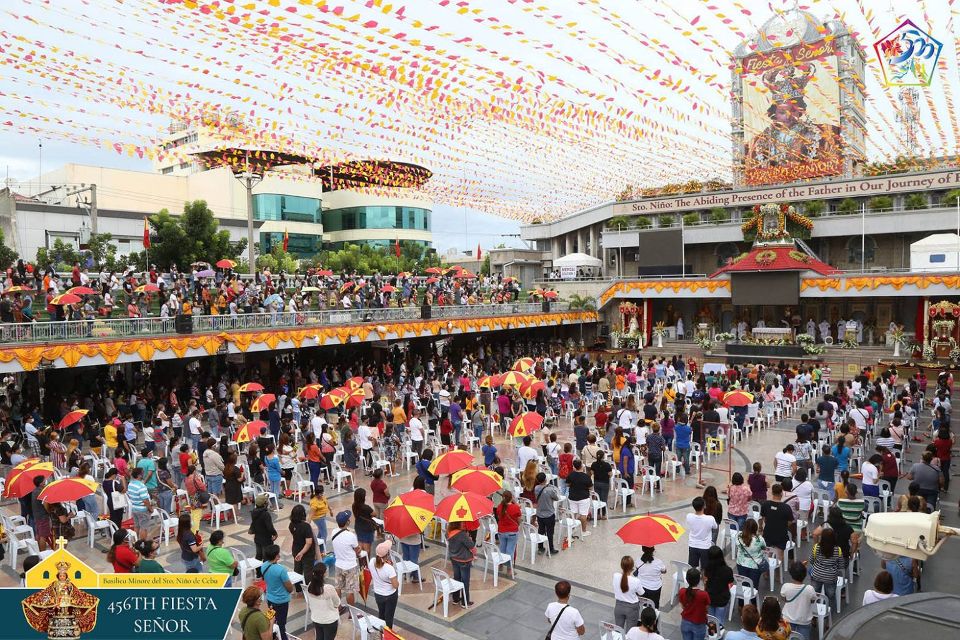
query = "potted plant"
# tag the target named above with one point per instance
(705, 343)
(660, 330)
(898, 337)
(723, 337)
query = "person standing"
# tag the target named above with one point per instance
(775, 519)
(798, 600)
(749, 552)
(700, 530)
(261, 525)
(546, 497)
(651, 572)
(566, 623)
(220, 559)
(191, 551)
(509, 516)
(324, 605)
(385, 583)
(579, 485)
(627, 591)
(304, 546)
(279, 587)
(827, 564)
(346, 550)
(717, 580)
(693, 603)
(462, 551)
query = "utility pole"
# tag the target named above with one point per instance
(92, 189)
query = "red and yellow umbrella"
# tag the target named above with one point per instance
(550, 295)
(529, 388)
(74, 416)
(650, 530)
(249, 431)
(355, 398)
(65, 298)
(433, 270)
(251, 386)
(450, 462)
(324, 273)
(147, 288)
(20, 479)
(431, 280)
(523, 364)
(737, 398)
(464, 507)
(479, 480)
(334, 398)
(354, 383)
(81, 291)
(310, 391)
(17, 289)
(513, 378)
(409, 513)
(388, 288)
(262, 401)
(488, 382)
(68, 490)
(226, 264)
(525, 424)
(404, 274)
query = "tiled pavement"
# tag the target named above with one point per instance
(515, 608)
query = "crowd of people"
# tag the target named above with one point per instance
(31, 294)
(145, 439)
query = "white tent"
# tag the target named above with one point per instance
(937, 252)
(577, 260)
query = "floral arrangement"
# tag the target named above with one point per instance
(766, 342)
(955, 354)
(753, 228)
(736, 259)
(813, 349)
(704, 342)
(943, 324)
(660, 330)
(928, 353)
(850, 343)
(898, 335)
(799, 256)
(723, 337)
(805, 338)
(766, 257)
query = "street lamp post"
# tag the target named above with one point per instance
(249, 180)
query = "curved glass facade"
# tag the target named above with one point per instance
(379, 217)
(380, 244)
(300, 245)
(271, 206)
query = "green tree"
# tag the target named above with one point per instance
(278, 260)
(950, 198)
(642, 222)
(102, 251)
(192, 237)
(585, 303)
(915, 201)
(619, 221)
(691, 218)
(367, 260)
(485, 267)
(7, 255)
(719, 215)
(878, 203)
(848, 206)
(60, 255)
(813, 208)
(666, 220)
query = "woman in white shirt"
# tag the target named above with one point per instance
(870, 473)
(882, 589)
(785, 464)
(650, 572)
(627, 591)
(647, 629)
(324, 604)
(385, 583)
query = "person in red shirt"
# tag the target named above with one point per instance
(123, 558)
(944, 443)
(693, 603)
(446, 428)
(600, 418)
(509, 517)
(381, 494)
(890, 471)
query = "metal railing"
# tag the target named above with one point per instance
(116, 328)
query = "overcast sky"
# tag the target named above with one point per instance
(521, 109)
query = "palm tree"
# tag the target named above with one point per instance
(584, 303)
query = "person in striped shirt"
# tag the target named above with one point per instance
(140, 504)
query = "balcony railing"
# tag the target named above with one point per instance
(118, 328)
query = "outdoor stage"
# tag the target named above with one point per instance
(766, 350)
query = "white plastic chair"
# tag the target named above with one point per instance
(445, 586)
(886, 495)
(567, 523)
(753, 511)
(218, 509)
(610, 631)
(679, 578)
(365, 624)
(650, 479)
(742, 589)
(493, 557)
(729, 530)
(530, 538)
(624, 491)
(674, 465)
(302, 488)
(246, 567)
(405, 568)
(696, 454)
(596, 505)
(821, 610)
(843, 588)
(168, 526)
(339, 475)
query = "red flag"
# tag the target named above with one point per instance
(396, 247)
(146, 234)
(286, 239)
(479, 253)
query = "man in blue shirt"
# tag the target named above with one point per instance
(129, 430)
(749, 619)
(903, 570)
(279, 587)
(423, 470)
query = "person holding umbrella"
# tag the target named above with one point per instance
(463, 550)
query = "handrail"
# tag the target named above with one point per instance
(114, 328)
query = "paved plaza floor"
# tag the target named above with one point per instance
(515, 608)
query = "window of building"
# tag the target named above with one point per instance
(299, 245)
(376, 217)
(270, 206)
(166, 171)
(938, 257)
(869, 248)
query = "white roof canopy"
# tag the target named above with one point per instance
(937, 242)
(577, 260)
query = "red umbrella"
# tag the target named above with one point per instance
(66, 298)
(324, 273)
(650, 530)
(550, 295)
(525, 424)
(356, 398)
(72, 417)
(409, 513)
(432, 279)
(226, 264)
(479, 480)
(354, 383)
(334, 399)
(262, 401)
(451, 462)
(464, 507)
(310, 391)
(81, 291)
(388, 288)
(251, 386)
(20, 479)
(249, 431)
(434, 270)
(147, 288)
